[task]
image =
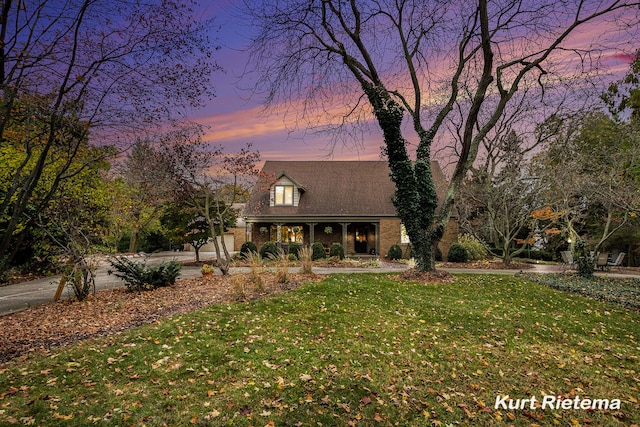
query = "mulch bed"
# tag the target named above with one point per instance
(43, 327)
(485, 265)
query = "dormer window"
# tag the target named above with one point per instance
(285, 191)
(284, 195)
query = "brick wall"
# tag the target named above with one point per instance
(257, 237)
(389, 234)
(449, 238)
(238, 237)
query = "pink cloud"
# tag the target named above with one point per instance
(627, 58)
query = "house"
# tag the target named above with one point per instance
(349, 202)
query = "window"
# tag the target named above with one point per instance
(286, 233)
(284, 195)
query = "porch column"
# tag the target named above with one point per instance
(376, 227)
(279, 231)
(247, 231)
(344, 234)
(312, 226)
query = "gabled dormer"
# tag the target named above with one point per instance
(285, 191)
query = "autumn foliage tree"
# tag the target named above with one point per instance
(589, 174)
(417, 65)
(75, 71)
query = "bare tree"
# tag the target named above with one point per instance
(501, 195)
(74, 69)
(403, 56)
(209, 180)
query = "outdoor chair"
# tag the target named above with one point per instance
(603, 261)
(567, 259)
(617, 262)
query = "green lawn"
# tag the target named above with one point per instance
(350, 350)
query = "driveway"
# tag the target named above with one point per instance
(23, 295)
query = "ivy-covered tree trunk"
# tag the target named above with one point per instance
(415, 199)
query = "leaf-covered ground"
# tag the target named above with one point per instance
(621, 291)
(351, 350)
(114, 310)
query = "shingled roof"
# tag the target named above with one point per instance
(332, 189)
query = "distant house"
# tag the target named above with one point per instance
(349, 202)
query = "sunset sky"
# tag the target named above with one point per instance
(234, 119)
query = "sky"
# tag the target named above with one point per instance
(233, 118)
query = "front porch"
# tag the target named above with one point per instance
(357, 237)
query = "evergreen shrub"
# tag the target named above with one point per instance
(246, 248)
(317, 251)
(474, 247)
(438, 254)
(269, 250)
(294, 249)
(395, 252)
(336, 251)
(457, 253)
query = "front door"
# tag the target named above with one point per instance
(361, 242)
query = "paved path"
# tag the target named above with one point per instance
(23, 295)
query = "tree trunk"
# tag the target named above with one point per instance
(223, 263)
(507, 256)
(607, 232)
(135, 240)
(224, 245)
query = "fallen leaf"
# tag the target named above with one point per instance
(62, 417)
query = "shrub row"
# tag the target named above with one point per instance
(270, 250)
(467, 249)
(538, 255)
